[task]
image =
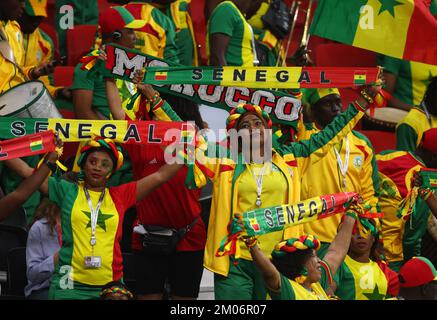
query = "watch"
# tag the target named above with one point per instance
(52, 166)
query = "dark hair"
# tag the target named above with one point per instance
(186, 109)
(292, 264)
(49, 210)
(430, 97)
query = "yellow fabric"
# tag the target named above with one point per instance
(366, 277)
(392, 226)
(358, 179)
(421, 71)
(224, 202)
(221, 207)
(146, 42)
(272, 194)
(38, 50)
(105, 238)
(416, 118)
(301, 293)
(384, 26)
(255, 20)
(10, 76)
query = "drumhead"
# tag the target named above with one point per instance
(387, 114)
(20, 97)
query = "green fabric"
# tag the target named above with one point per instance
(306, 147)
(64, 194)
(433, 7)
(396, 265)
(10, 181)
(125, 14)
(402, 70)
(124, 174)
(406, 138)
(345, 283)
(85, 12)
(333, 13)
(171, 51)
(287, 292)
(94, 84)
(246, 277)
(183, 39)
(80, 292)
(415, 229)
(225, 19)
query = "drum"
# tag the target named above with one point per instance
(383, 119)
(28, 100)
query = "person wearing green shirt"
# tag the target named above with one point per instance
(410, 130)
(294, 271)
(230, 38)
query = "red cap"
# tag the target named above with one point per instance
(416, 272)
(429, 140)
(116, 18)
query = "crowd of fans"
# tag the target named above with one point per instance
(76, 220)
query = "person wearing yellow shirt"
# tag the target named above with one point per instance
(294, 271)
(251, 176)
(12, 69)
(158, 36)
(402, 234)
(350, 166)
(419, 119)
(38, 46)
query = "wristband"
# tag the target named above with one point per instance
(250, 242)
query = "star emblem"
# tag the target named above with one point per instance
(100, 219)
(389, 5)
(375, 295)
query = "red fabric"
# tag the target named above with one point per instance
(393, 285)
(416, 272)
(421, 44)
(381, 140)
(110, 20)
(79, 41)
(172, 204)
(429, 140)
(63, 76)
(342, 55)
(124, 197)
(396, 169)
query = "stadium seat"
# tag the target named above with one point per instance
(51, 32)
(103, 4)
(10, 237)
(341, 55)
(63, 76)
(16, 272)
(381, 140)
(79, 42)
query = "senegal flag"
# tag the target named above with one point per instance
(36, 144)
(404, 29)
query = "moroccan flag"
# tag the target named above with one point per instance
(161, 76)
(404, 29)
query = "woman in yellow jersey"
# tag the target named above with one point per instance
(363, 275)
(255, 176)
(91, 220)
(294, 271)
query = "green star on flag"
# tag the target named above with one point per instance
(100, 219)
(375, 295)
(389, 5)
